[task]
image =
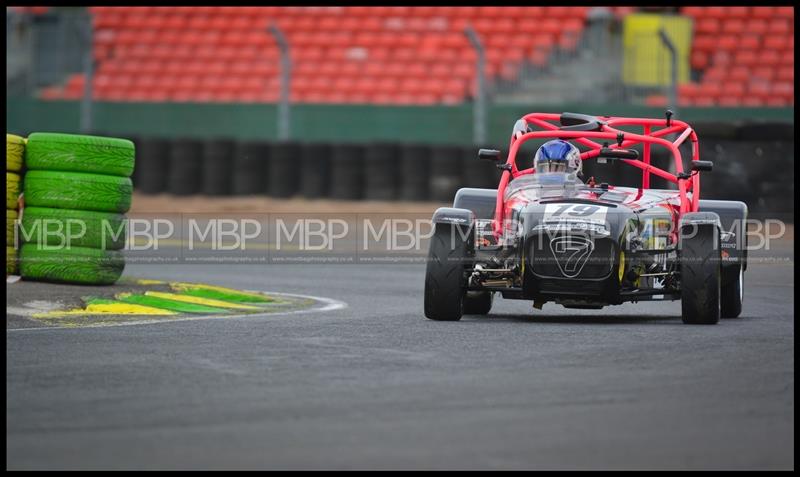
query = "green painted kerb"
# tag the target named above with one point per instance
(172, 305)
(225, 296)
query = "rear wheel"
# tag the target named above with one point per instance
(445, 285)
(732, 294)
(478, 302)
(700, 277)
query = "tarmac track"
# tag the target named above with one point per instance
(377, 386)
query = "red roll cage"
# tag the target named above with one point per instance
(616, 139)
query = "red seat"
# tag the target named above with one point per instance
(738, 12)
(716, 12)
(687, 90)
(386, 85)
(779, 26)
(757, 26)
(783, 90)
(656, 100)
(707, 26)
(733, 26)
(749, 42)
(762, 12)
(715, 74)
(704, 43)
(776, 42)
(758, 89)
(704, 101)
(699, 60)
(732, 88)
(785, 74)
(747, 58)
(739, 73)
(752, 101)
(696, 12)
(769, 58)
(729, 101)
(766, 74)
(727, 42)
(777, 102)
(709, 90)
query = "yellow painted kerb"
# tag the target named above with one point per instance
(108, 309)
(200, 301)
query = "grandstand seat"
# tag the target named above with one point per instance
(735, 27)
(707, 26)
(762, 12)
(752, 101)
(776, 42)
(417, 54)
(785, 74)
(729, 101)
(769, 58)
(749, 42)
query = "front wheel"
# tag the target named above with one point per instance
(700, 277)
(445, 284)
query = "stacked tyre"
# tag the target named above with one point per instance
(77, 190)
(15, 153)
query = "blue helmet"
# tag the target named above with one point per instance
(557, 156)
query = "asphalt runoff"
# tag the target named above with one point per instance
(375, 385)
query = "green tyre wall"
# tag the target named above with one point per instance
(11, 261)
(15, 151)
(76, 153)
(75, 190)
(79, 265)
(12, 190)
(78, 228)
(11, 216)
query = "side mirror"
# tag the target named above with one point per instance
(608, 153)
(489, 154)
(703, 166)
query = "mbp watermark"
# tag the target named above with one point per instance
(344, 238)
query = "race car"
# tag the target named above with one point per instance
(545, 235)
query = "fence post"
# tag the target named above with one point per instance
(85, 32)
(479, 106)
(284, 120)
(673, 87)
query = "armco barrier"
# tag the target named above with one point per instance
(758, 172)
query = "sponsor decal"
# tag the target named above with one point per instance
(453, 219)
(571, 253)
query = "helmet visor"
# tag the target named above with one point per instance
(551, 165)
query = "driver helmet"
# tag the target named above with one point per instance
(557, 156)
